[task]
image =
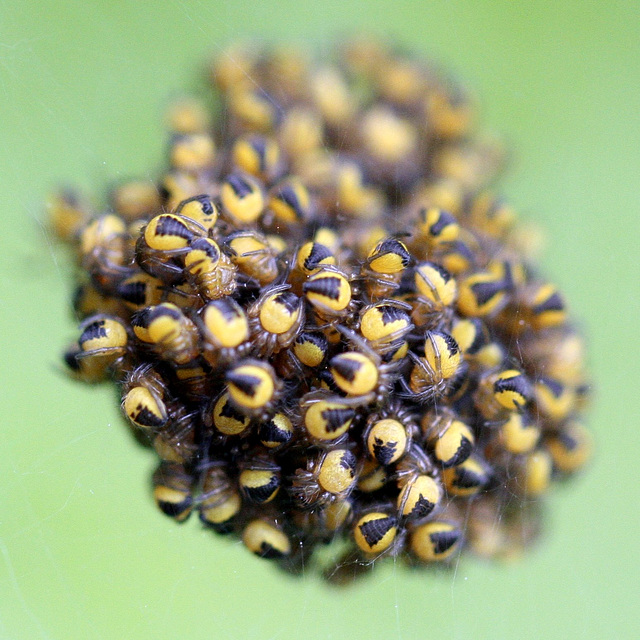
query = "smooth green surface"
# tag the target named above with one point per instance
(83, 552)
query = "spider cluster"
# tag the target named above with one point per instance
(322, 320)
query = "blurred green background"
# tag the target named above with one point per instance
(83, 551)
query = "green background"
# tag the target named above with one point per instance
(83, 552)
